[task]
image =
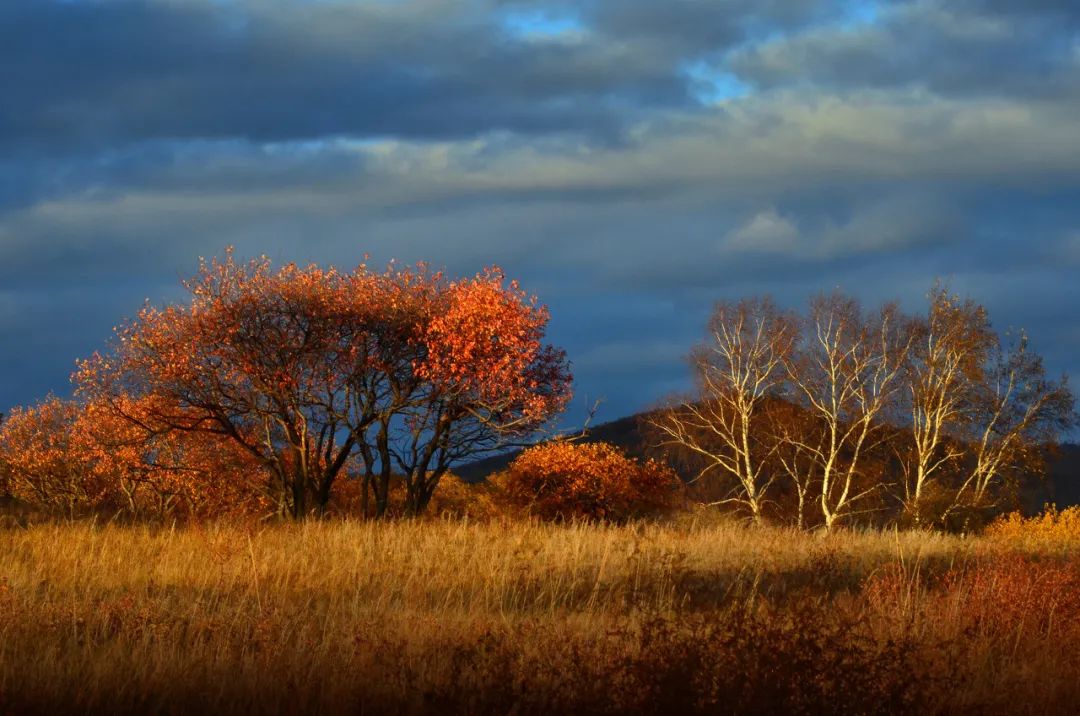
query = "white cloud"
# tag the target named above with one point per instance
(766, 232)
(1068, 249)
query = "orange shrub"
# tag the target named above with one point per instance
(1052, 525)
(71, 458)
(563, 480)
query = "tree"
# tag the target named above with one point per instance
(484, 377)
(1017, 415)
(69, 457)
(260, 357)
(846, 372)
(857, 410)
(308, 370)
(736, 369)
(44, 454)
(796, 434)
(945, 366)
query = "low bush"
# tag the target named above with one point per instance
(594, 481)
(1052, 525)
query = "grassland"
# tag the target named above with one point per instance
(450, 616)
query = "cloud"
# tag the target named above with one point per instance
(766, 232)
(280, 70)
(631, 161)
(895, 224)
(1068, 250)
(959, 48)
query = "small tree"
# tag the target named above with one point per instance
(68, 457)
(563, 480)
(45, 457)
(796, 434)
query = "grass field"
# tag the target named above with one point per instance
(445, 616)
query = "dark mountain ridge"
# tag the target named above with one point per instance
(1062, 486)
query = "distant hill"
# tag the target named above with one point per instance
(623, 432)
(1062, 488)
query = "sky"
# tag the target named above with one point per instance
(630, 161)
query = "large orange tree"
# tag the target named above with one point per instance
(310, 371)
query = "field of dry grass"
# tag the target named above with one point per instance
(450, 616)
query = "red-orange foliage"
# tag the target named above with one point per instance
(564, 480)
(309, 370)
(42, 452)
(486, 344)
(70, 457)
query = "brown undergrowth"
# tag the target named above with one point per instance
(513, 617)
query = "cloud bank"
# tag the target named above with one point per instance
(631, 160)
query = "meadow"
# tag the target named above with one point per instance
(696, 614)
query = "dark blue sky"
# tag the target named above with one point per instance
(630, 160)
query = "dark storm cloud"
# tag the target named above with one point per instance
(603, 151)
(963, 47)
(93, 73)
(97, 73)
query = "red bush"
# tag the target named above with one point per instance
(563, 480)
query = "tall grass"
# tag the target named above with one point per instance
(330, 617)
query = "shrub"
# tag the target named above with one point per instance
(1052, 525)
(563, 480)
(64, 457)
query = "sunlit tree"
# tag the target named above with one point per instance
(69, 457)
(846, 372)
(309, 369)
(1017, 415)
(945, 367)
(739, 365)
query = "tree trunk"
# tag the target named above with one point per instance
(382, 494)
(299, 497)
(365, 490)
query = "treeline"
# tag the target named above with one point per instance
(841, 414)
(282, 391)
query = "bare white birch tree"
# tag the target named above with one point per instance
(737, 368)
(945, 365)
(846, 371)
(1019, 413)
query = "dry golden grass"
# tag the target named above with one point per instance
(441, 616)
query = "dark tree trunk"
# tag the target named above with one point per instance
(299, 495)
(365, 490)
